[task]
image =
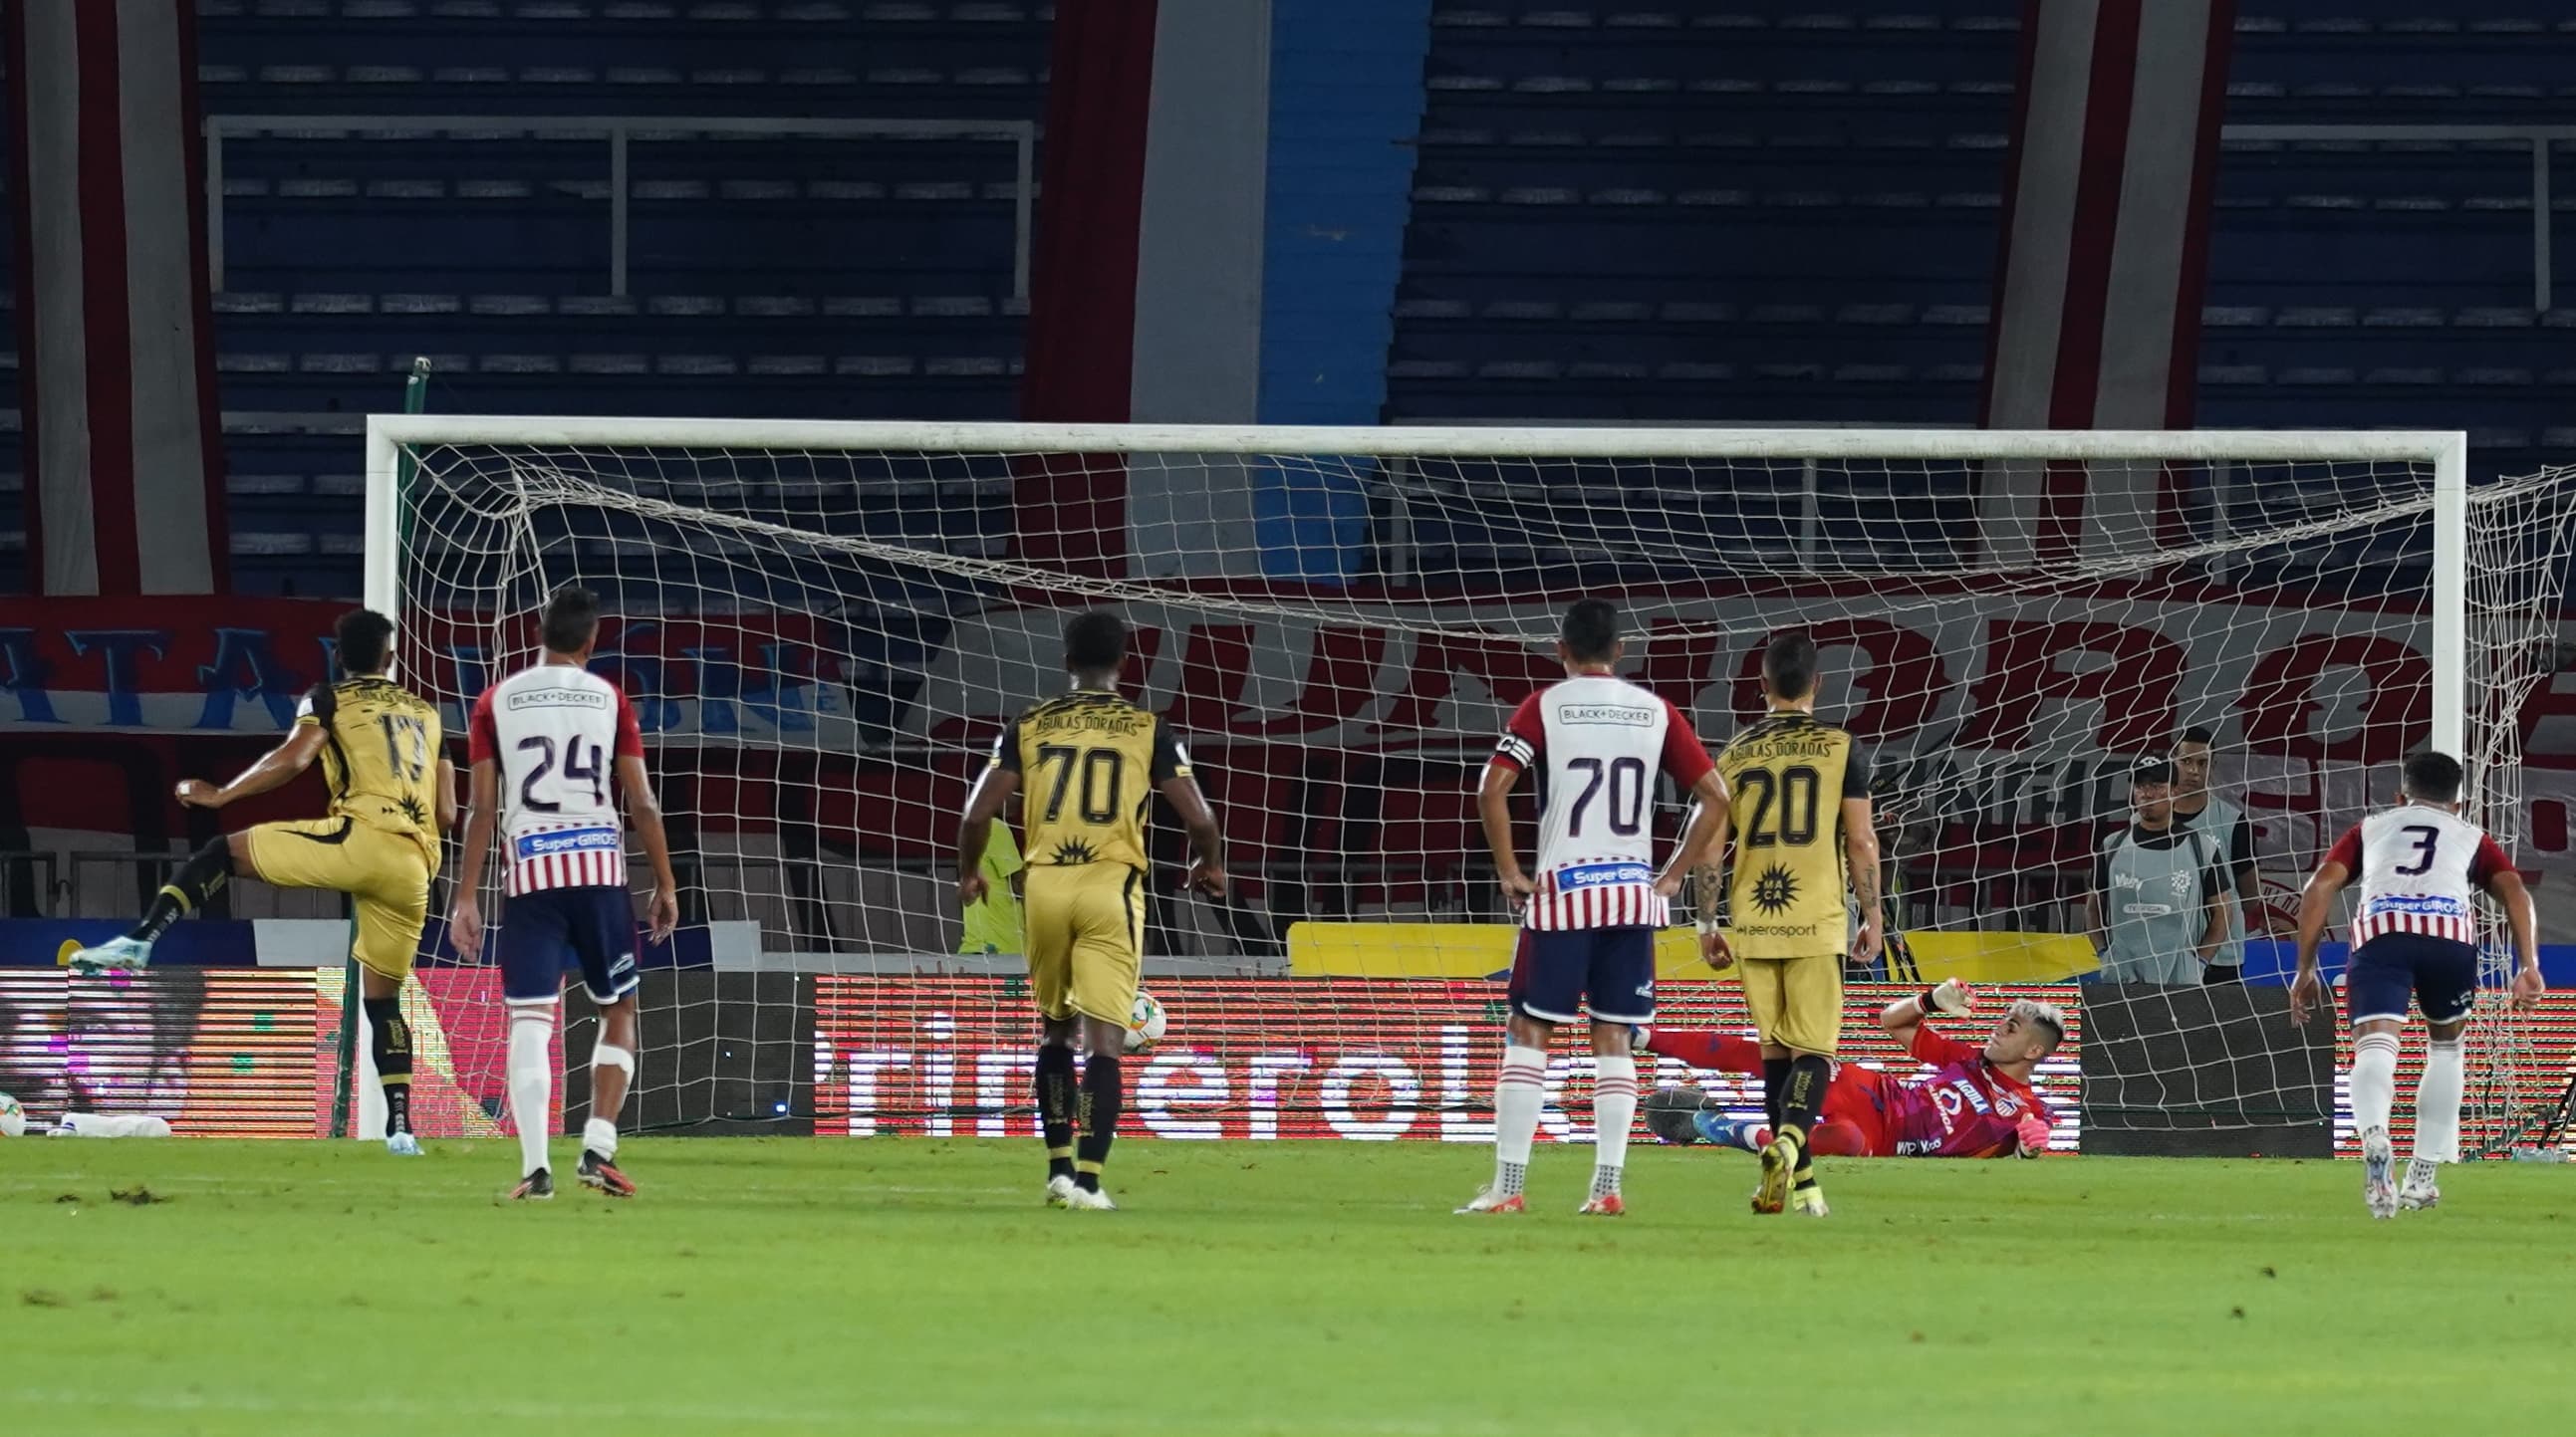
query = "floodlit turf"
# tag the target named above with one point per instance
(909, 1286)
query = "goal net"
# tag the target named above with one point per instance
(823, 627)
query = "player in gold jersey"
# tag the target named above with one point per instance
(392, 793)
(1803, 834)
(1092, 762)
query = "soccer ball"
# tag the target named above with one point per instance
(13, 1118)
(1145, 1023)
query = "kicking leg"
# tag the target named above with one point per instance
(200, 878)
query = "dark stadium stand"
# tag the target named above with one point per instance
(1787, 211)
(768, 275)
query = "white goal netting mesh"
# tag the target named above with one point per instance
(823, 643)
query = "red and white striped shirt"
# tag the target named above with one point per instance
(1596, 743)
(556, 733)
(2420, 870)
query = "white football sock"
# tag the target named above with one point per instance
(2374, 1079)
(2437, 1102)
(599, 1135)
(532, 1082)
(1614, 1112)
(1519, 1092)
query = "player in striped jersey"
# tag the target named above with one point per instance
(557, 734)
(1595, 742)
(2421, 867)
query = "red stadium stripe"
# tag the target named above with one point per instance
(105, 314)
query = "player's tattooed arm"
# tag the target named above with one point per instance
(275, 769)
(1860, 853)
(1709, 878)
(1708, 816)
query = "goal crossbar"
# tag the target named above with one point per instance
(2444, 451)
(2427, 446)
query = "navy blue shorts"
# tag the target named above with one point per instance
(553, 931)
(2440, 973)
(1554, 972)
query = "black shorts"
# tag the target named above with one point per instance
(1555, 972)
(2441, 974)
(554, 931)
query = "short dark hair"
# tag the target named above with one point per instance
(1789, 666)
(1095, 641)
(365, 639)
(572, 619)
(2434, 777)
(1590, 630)
(2197, 733)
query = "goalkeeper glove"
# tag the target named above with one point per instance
(1948, 996)
(2034, 1135)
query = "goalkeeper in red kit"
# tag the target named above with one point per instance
(1977, 1103)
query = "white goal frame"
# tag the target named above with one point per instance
(2443, 452)
(2446, 451)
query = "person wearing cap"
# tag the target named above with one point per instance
(2160, 889)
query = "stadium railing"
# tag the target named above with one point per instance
(620, 133)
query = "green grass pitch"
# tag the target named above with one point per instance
(914, 1286)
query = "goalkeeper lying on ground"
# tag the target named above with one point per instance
(1976, 1104)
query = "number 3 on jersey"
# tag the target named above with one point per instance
(582, 763)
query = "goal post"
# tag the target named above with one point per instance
(2053, 603)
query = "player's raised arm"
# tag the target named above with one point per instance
(1904, 1017)
(277, 767)
(984, 803)
(2316, 905)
